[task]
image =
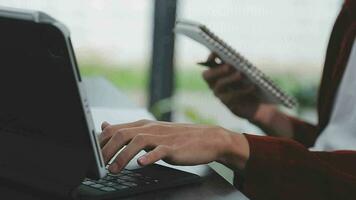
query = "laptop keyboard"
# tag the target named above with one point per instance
(126, 179)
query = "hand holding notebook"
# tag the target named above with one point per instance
(267, 88)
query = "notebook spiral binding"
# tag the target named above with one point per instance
(245, 66)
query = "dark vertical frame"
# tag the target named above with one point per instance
(161, 79)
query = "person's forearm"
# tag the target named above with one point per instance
(273, 122)
(278, 124)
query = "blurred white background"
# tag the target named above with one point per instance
(270, 33)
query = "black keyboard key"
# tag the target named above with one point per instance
(123, 177)
(120, 181)
(148, 182)
(129, 178)
(109, 178)
(88, 183)
(125, 171)
(102, 181)
(131, 184)
(110, 184)
(108, 189)
(137, 175)
(114, 176)
(148, 178)
(120, 187)
(145, 183)
(97, 185)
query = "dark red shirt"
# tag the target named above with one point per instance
(284, 169)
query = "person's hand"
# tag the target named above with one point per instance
(178, 144)
(238, 93)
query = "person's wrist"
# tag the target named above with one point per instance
(235, 152)
(264, 114)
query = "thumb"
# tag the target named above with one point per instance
(104, 125)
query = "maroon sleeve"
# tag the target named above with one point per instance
(281, 169)
(304, 132)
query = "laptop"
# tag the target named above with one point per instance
(47, 136)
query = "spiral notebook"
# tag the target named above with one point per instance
(203, 35)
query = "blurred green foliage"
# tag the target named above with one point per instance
(194, 116)
(161, 107)
(190, 80)
(304, 89)
(126, 78)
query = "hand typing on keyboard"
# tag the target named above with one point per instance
(178, 144)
